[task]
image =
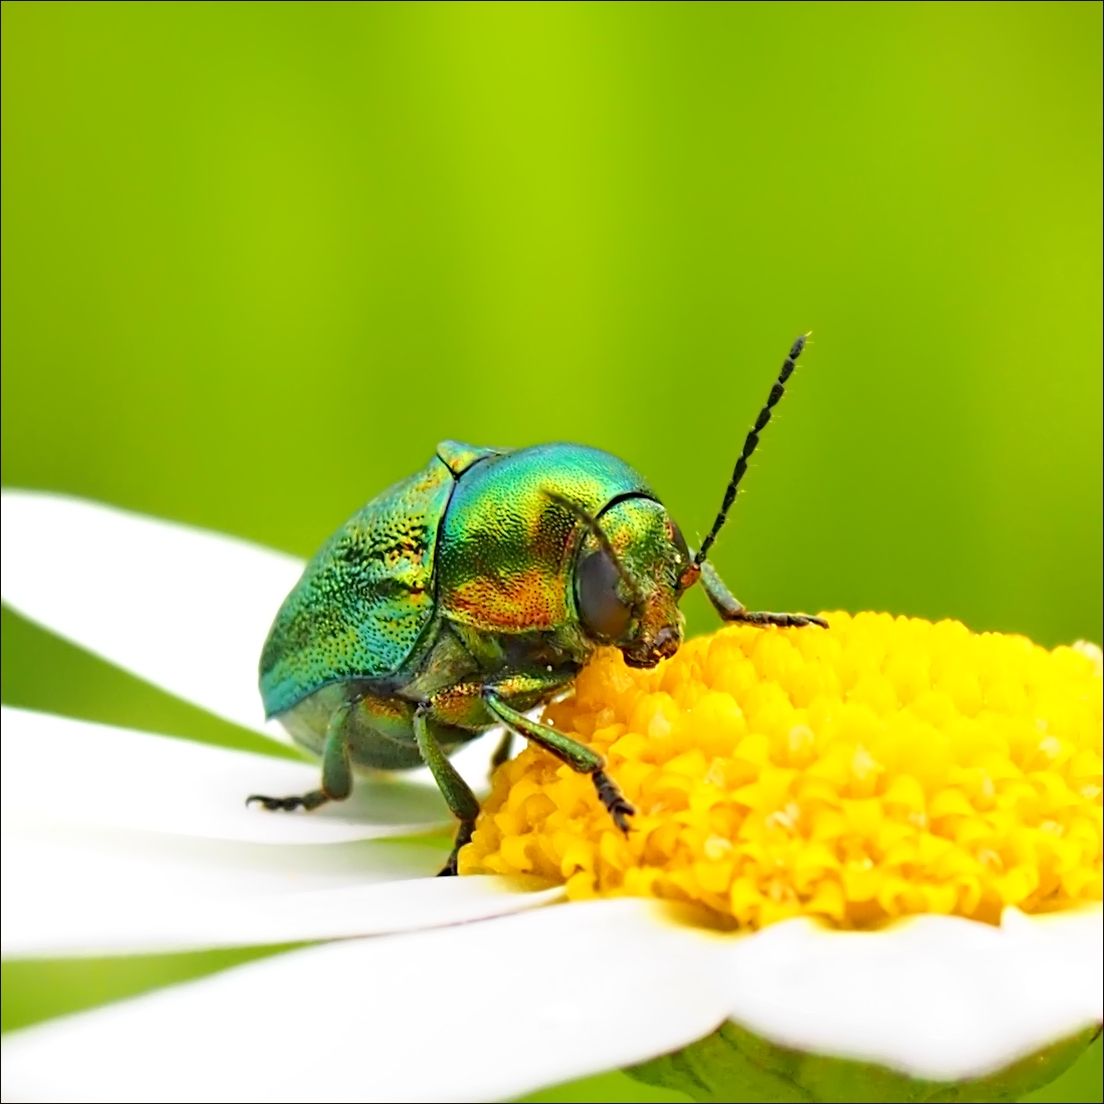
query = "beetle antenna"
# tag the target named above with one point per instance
(599, 534)
(750, 444)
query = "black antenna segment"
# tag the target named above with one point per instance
(750, 444)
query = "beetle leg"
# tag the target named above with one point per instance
(731, 609)
(337, 776)
(310, 800)
(463, 803)
(577, 756)
(502, 752)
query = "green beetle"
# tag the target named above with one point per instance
(475, 590)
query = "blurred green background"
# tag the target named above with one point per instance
(258, 258)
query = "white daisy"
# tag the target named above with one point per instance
(421, 988)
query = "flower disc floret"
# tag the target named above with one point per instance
(887, 766)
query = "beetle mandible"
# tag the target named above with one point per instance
(475, 590)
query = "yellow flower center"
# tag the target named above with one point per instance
(883, 767)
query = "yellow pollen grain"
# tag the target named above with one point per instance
(883, 767)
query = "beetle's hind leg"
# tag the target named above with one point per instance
(732, 610)
(337, 775)
(310, 800)
(463, 803)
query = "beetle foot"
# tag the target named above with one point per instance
(614, 801)
(502, 752)
(463, 838)
(306, 801)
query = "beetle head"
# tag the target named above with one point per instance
(629, 576)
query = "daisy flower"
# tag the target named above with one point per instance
(866, 863)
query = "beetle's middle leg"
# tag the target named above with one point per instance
(577, 756)
(337, 775)
(456, 792)
(731, 609)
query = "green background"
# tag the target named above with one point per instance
(259, 258)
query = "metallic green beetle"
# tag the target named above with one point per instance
(475, 590)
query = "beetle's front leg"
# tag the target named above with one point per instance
(731, 609)
(577, 756)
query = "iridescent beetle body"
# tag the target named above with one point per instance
(468, 594)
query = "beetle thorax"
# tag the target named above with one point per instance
(507, 549)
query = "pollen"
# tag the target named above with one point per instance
(884, 767)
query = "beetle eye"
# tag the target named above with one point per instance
(603, 612)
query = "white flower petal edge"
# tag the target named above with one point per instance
(127, 892)
(937, 997)
(158, 852)
(111, 895)
(477, 1012)
(566, 991)
(58, 771)
(184, 608)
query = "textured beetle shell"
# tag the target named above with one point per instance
(506, 557)
(473, 537)
(366, 597)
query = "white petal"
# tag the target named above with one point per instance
(567, 991)
(185, 608)
(479, 1012)
(57, 770)
(936, 997)
(122, 894)
(158, 852)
